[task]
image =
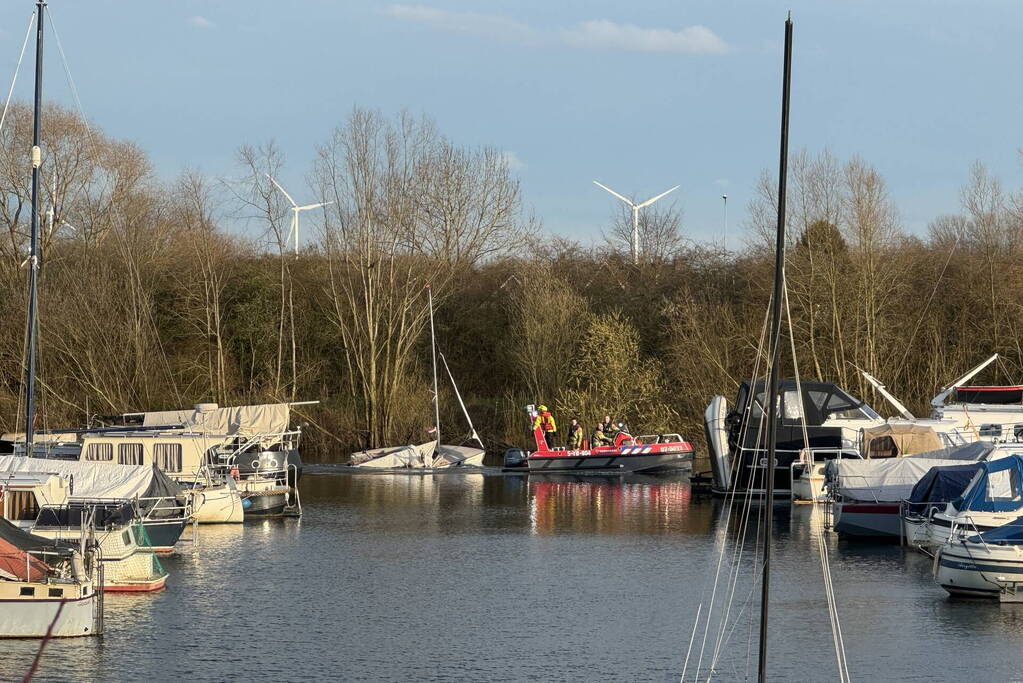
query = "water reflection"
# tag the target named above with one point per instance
(480, 576)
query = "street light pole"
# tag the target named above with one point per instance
(724, 233)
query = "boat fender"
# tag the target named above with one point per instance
(246, 503)
(234, 473)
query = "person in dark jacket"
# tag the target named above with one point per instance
(575, 435)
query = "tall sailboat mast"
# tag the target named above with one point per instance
(33, 258)
(772, 401)
(433, 357)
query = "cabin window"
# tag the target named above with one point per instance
(1003, 486)
(991, 431)
(792, 407)
(129, 453)
(27, 590)
(98, 452)
(22, 505)
(882, 447)
(56, 592)
(167, 456)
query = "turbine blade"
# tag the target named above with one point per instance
(283, 191)
(654, 199)
(605, 187)
(312, 206)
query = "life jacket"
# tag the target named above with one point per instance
(547, 421)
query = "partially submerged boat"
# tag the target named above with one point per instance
(431, 455)
(816, 417)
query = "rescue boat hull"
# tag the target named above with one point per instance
(579, 461)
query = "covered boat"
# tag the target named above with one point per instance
(157, 502)
(993, 498)
(933, 492)
(867, 495)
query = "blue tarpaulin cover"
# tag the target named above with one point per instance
(997, 487)
(1007, 534)
(940, 485)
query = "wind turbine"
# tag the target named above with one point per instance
(634, 242)
(295, 210)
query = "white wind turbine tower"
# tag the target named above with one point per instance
(634, 243)
(295, 210)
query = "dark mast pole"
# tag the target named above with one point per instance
(772, 401)
(33, 257)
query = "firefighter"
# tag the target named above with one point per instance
(575, 435)
(545, 421)
(598, 438)
(610, 430)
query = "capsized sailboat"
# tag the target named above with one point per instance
(432, 455)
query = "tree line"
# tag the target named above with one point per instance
(158, 295)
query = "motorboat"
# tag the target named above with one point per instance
(988, 564)
(39, 503)
(931, 494)
(160, 505)
(47, 589)
(647, 454)
(992, 498)
(819, 418)
(881, 441)
(867, 495)
(199, 448)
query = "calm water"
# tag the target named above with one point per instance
(473, 577)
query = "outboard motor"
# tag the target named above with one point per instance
(515, 457)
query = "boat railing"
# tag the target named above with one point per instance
(960, 530)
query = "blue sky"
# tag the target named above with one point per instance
(641, 95)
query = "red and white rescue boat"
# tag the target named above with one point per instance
(651, 453)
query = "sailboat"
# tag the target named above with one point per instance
(47, 588)
(432, 455)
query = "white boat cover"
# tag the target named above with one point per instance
(268, 418)
(424, 456)
(880, 480)
(98, 481)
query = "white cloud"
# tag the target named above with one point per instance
(599, 34)
(513, 161)
(199, 21)
(602, 34)
(471, 23)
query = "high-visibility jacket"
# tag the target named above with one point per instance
(575, 437)
(545, 421)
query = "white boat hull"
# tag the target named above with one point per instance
(979, 570)
(217, 504)
(809, 486)
(31, 618)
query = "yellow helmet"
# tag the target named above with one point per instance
(541, 407)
